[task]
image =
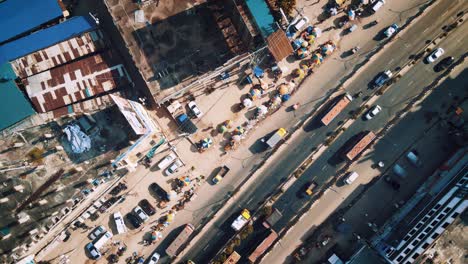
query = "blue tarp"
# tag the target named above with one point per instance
(20, 16)
(262, 16)
(13, 107)
(45, 38)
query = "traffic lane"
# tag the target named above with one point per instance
(418, 77)
(410, 42)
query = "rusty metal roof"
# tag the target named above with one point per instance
(279, 45)
(76, 81)
(58, 54)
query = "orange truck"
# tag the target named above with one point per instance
(180, 240)
(360, 145)
(336, 108)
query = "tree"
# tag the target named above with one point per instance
(286, 5)
(35, 155)
(267, 210)
(236, 241)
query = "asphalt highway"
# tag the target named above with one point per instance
(396, 55)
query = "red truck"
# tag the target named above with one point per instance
(336, 108)
(360, 145)
(181, 239)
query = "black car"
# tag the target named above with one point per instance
(147, 207)
(444, 64)
(135, 221)
(395, 185)
(160, 192)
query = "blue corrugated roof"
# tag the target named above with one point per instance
(262, 15)
(19, 16)
(14, 107)
(46, 38)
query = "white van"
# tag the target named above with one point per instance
(119, 223)
(102, 240)
(414, 159)
(166, 161)
(377, 5)
(398, 170)
(352, 176)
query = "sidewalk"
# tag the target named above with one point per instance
(377, 203)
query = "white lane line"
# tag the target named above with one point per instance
(249, 200)
(205, 247)
(324, 167)
(410, 83)
(390, 61)
(312, 134)
(425, 30)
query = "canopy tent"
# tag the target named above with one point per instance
(258, 72)
(317, 59)
(351, 14)
(286, 97)
(247, 102)
(327, 48)
(206, 143)
(314, 31)
(236, 138)
(299, 73)
(302, 53)
(256, 93)
(262, 110)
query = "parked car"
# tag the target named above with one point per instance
(382, 79)
(413, 158)
(154, 258)
(166, 161)
(117, 189)
(174, 167)
(373, 112)
(93, 251)
(444, 64)
(140, 213)
(435, 55)
(391, 30)
(395, 185)
(135, 221)
(399, 170)
(195, 110)
(97, 232)
(160, 192)
(298, 23)
(147, 207)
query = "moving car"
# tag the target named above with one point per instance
(395, 185)
(399, 170)
(174, 167)
(93, 251)
(383, 78)
(195, 110)
(97, 232)
(220, 175)
(154, 258)
(444, 64)
(373, 112)
(435, 55)
(166, 161)
(147, 207)
(310, 187)
(413, 158)
(135, 221)
(140, 213)
(391, 30)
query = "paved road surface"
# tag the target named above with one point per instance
(393, 57)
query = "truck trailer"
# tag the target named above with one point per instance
(336, 108)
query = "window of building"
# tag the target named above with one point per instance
(445, 225)
(415, 255)
(446, 210)
(425, 218)
(437, 206)
(421, 236)
(434, 236)
(407, 237)
(425, 245)
(418, 225)
(427, 229)
(399, 258)
(415, 242)
(454, 215)
(407, 251)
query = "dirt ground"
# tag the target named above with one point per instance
(452, 245)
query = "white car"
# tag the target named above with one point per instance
(154, 258)
(174, 167)
(195, 110)
(140, 213)
(97, 232)
(373, 112)
(435, 55)
(298, 23)
(166, 161)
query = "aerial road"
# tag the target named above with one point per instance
(412, 41)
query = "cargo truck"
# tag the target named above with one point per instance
(181, 239)
(273, 140)
(336, 108)
(241, 220)
(220, 175)
(360, 145)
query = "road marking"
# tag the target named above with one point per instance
(324, 167)
(390, 61)
(425, 30)
(205, 247)
(410, 83)
(249, 200)
(312, 134)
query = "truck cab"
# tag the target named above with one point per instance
(220, 175)
(241, 220)
(310, 187)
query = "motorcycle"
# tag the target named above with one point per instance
(355, 49)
